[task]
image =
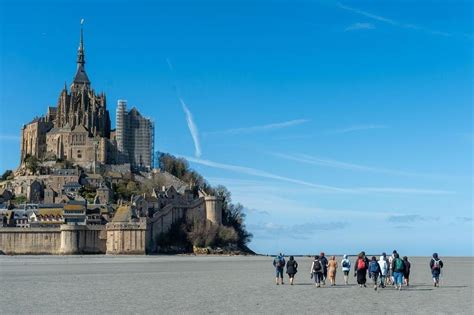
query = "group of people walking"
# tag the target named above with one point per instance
(391, 270)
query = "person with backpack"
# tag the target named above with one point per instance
(279, 264)
(317, 271)
(346, 268)
(291, 269)
(406, 273)
(383, 270)
(324, 262)
(332, 269)
(435, 265)
(360, 270)
(398, 268)
(374, 271)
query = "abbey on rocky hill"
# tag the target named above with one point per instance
(78, 129)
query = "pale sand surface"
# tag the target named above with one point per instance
(180, 284)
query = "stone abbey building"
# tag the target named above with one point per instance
(78, 129)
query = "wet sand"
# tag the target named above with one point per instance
(186, 284)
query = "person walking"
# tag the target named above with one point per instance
(406, 273)
(383, 270)
(360, 270)
(398, 268)
(324, 262)
(436, 265)
(374, 271)
(332, 269)
(390, 270)
(346, 268)
(279, 264)
(291, 269)
(317, 271)
(388, 275)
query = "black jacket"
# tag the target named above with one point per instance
(291, 267)
(324, 262)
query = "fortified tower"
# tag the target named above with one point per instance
(213, 209)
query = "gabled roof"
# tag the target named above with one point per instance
(51, 211)
(80, 128)
(123, 214)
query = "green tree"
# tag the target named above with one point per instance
(233, 215)
(88, 192)
(18, 200)
(31, 163)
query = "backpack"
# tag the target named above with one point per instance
(361, 264)
(436, 265)
(399, 265)
(317, 266)
(374, 267)
(345, 264)
(279, 262)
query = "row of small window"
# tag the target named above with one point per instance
(73, 211)
(72, 220)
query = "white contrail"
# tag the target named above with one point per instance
(356, 128)
(192, 128)
(258, 173)
(267, 127)
(393, 22)
(334, 189)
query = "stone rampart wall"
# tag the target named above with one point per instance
(32, 241)
(67, 239)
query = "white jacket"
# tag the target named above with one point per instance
(348, 268)
(383, 266)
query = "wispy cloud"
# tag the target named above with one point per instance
(314, 160)
(325, 162)
(9, 137)
(267, 127)
(409, 191)
(356, 128)
(392, 22)
(410, 218)
(170, 65)
(256, 211)
(320, 187)
(360, 26)
(464, 219)
(192, 129)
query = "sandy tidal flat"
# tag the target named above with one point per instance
(177, 284)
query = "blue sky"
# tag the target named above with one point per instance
(341, 126)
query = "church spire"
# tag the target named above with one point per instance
(81, 76)
(80, 51)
